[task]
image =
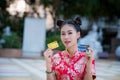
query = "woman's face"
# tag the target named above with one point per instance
(69, 35)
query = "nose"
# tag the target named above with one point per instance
(66, 36)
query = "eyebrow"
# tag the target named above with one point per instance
(68, 31)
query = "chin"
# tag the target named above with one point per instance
(68, 46)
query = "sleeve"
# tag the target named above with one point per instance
(93, 70)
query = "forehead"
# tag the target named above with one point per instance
(67, 27)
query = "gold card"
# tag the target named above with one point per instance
(53, 45)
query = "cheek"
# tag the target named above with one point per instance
(74, 38)
(61, 38)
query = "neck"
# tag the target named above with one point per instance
(72, 50)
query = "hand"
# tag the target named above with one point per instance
(89, 54)
(48, 55)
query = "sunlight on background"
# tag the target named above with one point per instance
(18, 7)
(21, 5)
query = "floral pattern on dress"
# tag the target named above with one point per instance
(70, 68)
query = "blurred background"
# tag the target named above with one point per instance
(27, 26)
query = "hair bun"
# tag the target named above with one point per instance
(78, 21)
(59, 23)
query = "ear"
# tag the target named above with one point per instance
(78, 35)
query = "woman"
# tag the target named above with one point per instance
(70, 64)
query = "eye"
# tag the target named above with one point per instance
(62, 33)
(70, 33)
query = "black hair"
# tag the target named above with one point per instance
(76, 23)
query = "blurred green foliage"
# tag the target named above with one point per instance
(11, 41)
(51, 37)
(16, 26)
(3, 4)
(92, 9)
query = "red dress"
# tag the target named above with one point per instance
(70, 68)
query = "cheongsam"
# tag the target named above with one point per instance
(71, 68)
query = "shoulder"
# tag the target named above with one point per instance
(58, 54)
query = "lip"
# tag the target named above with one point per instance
(67, 42)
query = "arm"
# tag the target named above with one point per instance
(88, 75)
(48, 55)
(50, 73)
(90, 66)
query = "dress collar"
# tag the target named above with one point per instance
(69, 54)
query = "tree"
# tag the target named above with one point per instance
(15, 22)
(90, 8)
(54, 8)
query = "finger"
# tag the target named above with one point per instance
(49, 53)
(89, 56)
(90, 49)
(87, 52)
(46, 53)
